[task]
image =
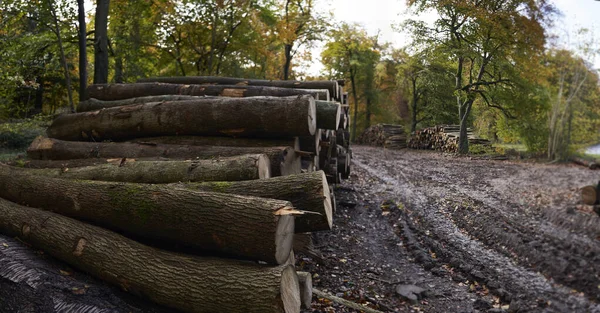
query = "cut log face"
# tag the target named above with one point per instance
(244, 167)
(187, 283)
(262, 117)
(331, 86)
(307, 192)
(589, 195)
(283, 160)
(306, 293)
(242, 226)
(115, 92)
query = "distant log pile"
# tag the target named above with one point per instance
(384, 135)
(442, 138)
(226, 168)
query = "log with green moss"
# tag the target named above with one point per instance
(186, 283)
(330, 85)
(307, 192)
(283, 160)
(242, 226)
(328, 115)
(95, 104)
(263, 117)
(244, 167)
(114, 92)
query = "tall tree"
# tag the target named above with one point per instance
(101, 42)
(82, 50)
(485, 38)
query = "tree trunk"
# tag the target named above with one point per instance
(95, 104)
(112, 92)
(288, 61)
(220, 141)
(246, 117)
(305, 281)
(189, 284)
(101, 42)
(244, 167)
(413, 124)
(283, 160)
(330, 85)
(82, 50)
(62, 55)
(355, 98)
(307, 192)
(328, 115)
(241, 226)
(463, 139)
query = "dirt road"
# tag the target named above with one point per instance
(478, 236)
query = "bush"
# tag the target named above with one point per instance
(20, 133)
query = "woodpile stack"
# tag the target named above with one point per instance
(226, 171)
(384, 135)
(442, 138)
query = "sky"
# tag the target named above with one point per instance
(379, 15)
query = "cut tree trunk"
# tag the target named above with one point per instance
(186, 283)
(95, 104)
(220, 141)
(331, 86)
(593, 165)
(283, 160)
(244, 117)
(305, 280)
(328, 115)
(112, 92)
(307, 192)
(242, 226)
(244, 167)
(589, 195)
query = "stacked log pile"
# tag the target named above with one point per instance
(442, 138)
(384, 135)
(228, 171)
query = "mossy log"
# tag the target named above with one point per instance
(186, 283)
(262, 117)
(242, 226)
(306, 293)
(283, 160)
(307, 192)
(114, 92)
(95, 104)
(328, 115)
(331, 86)
(244, 167)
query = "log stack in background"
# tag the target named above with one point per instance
(234, 173)
(384, 135)
(442, 138)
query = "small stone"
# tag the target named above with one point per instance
(410, 292)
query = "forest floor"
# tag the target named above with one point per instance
(476, 235)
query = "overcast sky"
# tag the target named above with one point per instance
(379, 15)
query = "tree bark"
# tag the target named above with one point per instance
(307, 192)
(82, 49)
(283, 160)
(247, 117)
(305, 281)
(246, 227)
(95, 104)
(189, 284)
(220, 141)
(288, 61)
(62, 55)
(328, 115)
(355, 98)
(330, 85)
(113, 92)
(101, 42)
(244, 167)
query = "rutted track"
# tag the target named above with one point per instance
(501, 224)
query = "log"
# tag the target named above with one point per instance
(331, 86)
(328, 114)
(95, 104)
(589, 195)
(283, 160)
(305, 280)
(113, 92)
(241, 226)
(310, 143)
(186, 283)
(220, 141)
(244, 167)
(246, 117)
(344, 302)
(307, 192)
(591, 164)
